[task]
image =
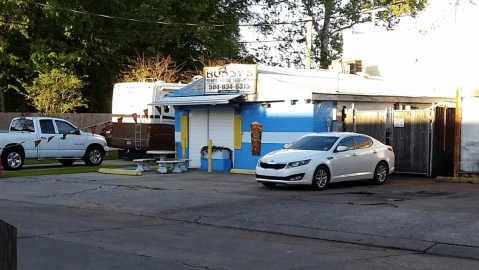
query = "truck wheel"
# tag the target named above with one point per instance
(12, 159)
(67, 162)
(93, 156)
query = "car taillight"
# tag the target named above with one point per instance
(391, 149)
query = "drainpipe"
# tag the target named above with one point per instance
(457, 133)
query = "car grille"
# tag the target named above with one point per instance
(278, 166)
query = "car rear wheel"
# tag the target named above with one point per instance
(67, 162)
(12, 159)
(380, 173)
(93, 156)
(321, 178)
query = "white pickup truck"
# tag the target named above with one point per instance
(49, 138)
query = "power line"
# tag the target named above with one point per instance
(161, 22)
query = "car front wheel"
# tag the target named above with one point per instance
(380, 173)
(93, 156)
(12, 159)
(321, 178)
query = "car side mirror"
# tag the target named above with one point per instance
(341, 148)
(76, 131)
(286, 145)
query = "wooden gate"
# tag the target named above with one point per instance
(410, 140)
(372, 123)
(408, 132)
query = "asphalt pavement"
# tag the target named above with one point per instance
(408, 213)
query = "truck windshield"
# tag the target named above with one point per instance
(22, 125)
(320, 143)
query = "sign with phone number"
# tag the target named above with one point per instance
(230, 79)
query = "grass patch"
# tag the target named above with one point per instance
(64, 170)
(112, 156)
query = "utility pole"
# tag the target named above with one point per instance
(373, 14)
(309, 41)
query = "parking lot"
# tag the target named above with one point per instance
(227, 221)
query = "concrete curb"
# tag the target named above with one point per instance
(457, 179)
(239, 171)
(417, 245)
(119, 171)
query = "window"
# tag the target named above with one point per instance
(363, 142)
(46, 126)
(320, 143)
(348, 142)
(64, 127)
(22, 125)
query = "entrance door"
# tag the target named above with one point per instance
(214, 124)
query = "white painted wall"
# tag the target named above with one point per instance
(470, 132)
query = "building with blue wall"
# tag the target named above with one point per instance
(287, 104)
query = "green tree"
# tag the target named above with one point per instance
(330, 18)
(99, 38)
(54, 93)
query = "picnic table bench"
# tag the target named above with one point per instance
(143, 164)
(177, 165)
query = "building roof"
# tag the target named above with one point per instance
(279, 84)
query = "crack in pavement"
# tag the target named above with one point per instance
(75, 193)
(89, 231)
(388, 256)
(198, 266)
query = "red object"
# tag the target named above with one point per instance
(107, 126)
(146, 113)
(148, 129)
(120, 121)
(93, 128)
(64, 136)
(37, 142)
(158, 108)
(135, 116)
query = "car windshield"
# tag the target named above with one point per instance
(319, 143)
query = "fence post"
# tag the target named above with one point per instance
(8, 246)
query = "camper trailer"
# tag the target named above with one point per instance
(138, 126)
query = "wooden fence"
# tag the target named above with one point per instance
(8, 246)
(82, 120)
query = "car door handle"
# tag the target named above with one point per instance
(329, 158)
(354, 154)
(375, 152)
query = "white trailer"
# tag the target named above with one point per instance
(138, 127)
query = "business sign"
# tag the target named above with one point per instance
(230, 79)
(399, 122)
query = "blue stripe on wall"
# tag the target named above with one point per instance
(245, 160)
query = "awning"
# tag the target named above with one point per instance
(195, 100)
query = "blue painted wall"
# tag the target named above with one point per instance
(279, 118)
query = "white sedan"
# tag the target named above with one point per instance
(320, 158)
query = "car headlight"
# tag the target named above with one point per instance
(297, 163)
(257, 164)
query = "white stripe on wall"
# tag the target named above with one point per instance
(178, 136)
(274, 137)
